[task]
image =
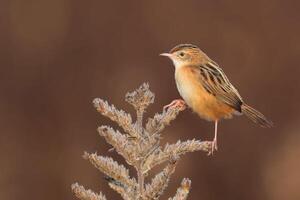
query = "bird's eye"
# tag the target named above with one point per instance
(181, 54)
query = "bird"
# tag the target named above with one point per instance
(206, 89)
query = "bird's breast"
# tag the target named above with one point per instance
(188, 86)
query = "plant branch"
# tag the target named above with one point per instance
(118, 116)
(183, 190)
(111, 168)
(177, 149)
(160, 121)
(161, 180)
(84, 194)
(122, 143)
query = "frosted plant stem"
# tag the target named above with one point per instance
(139, 120)
(141, 180)
(140, 174)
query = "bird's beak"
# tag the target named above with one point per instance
(166, 54)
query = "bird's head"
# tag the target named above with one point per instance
(186, 54)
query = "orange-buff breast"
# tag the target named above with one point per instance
(203, 103)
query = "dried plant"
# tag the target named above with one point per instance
(141, 149)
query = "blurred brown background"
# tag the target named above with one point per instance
(57, 55)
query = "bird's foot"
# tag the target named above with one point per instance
(176, 103)
(214, 147)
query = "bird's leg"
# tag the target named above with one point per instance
(214, 145)
(176, 103)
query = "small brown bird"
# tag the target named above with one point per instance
(206, 90)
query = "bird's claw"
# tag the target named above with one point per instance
(176, 103)
(214, 147)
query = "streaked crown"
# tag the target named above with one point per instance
(184, 47)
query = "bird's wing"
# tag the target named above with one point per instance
(215, 82)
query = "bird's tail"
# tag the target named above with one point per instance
(256, 116)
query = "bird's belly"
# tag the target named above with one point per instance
(199, 100)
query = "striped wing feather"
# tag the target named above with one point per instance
(216, 83)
